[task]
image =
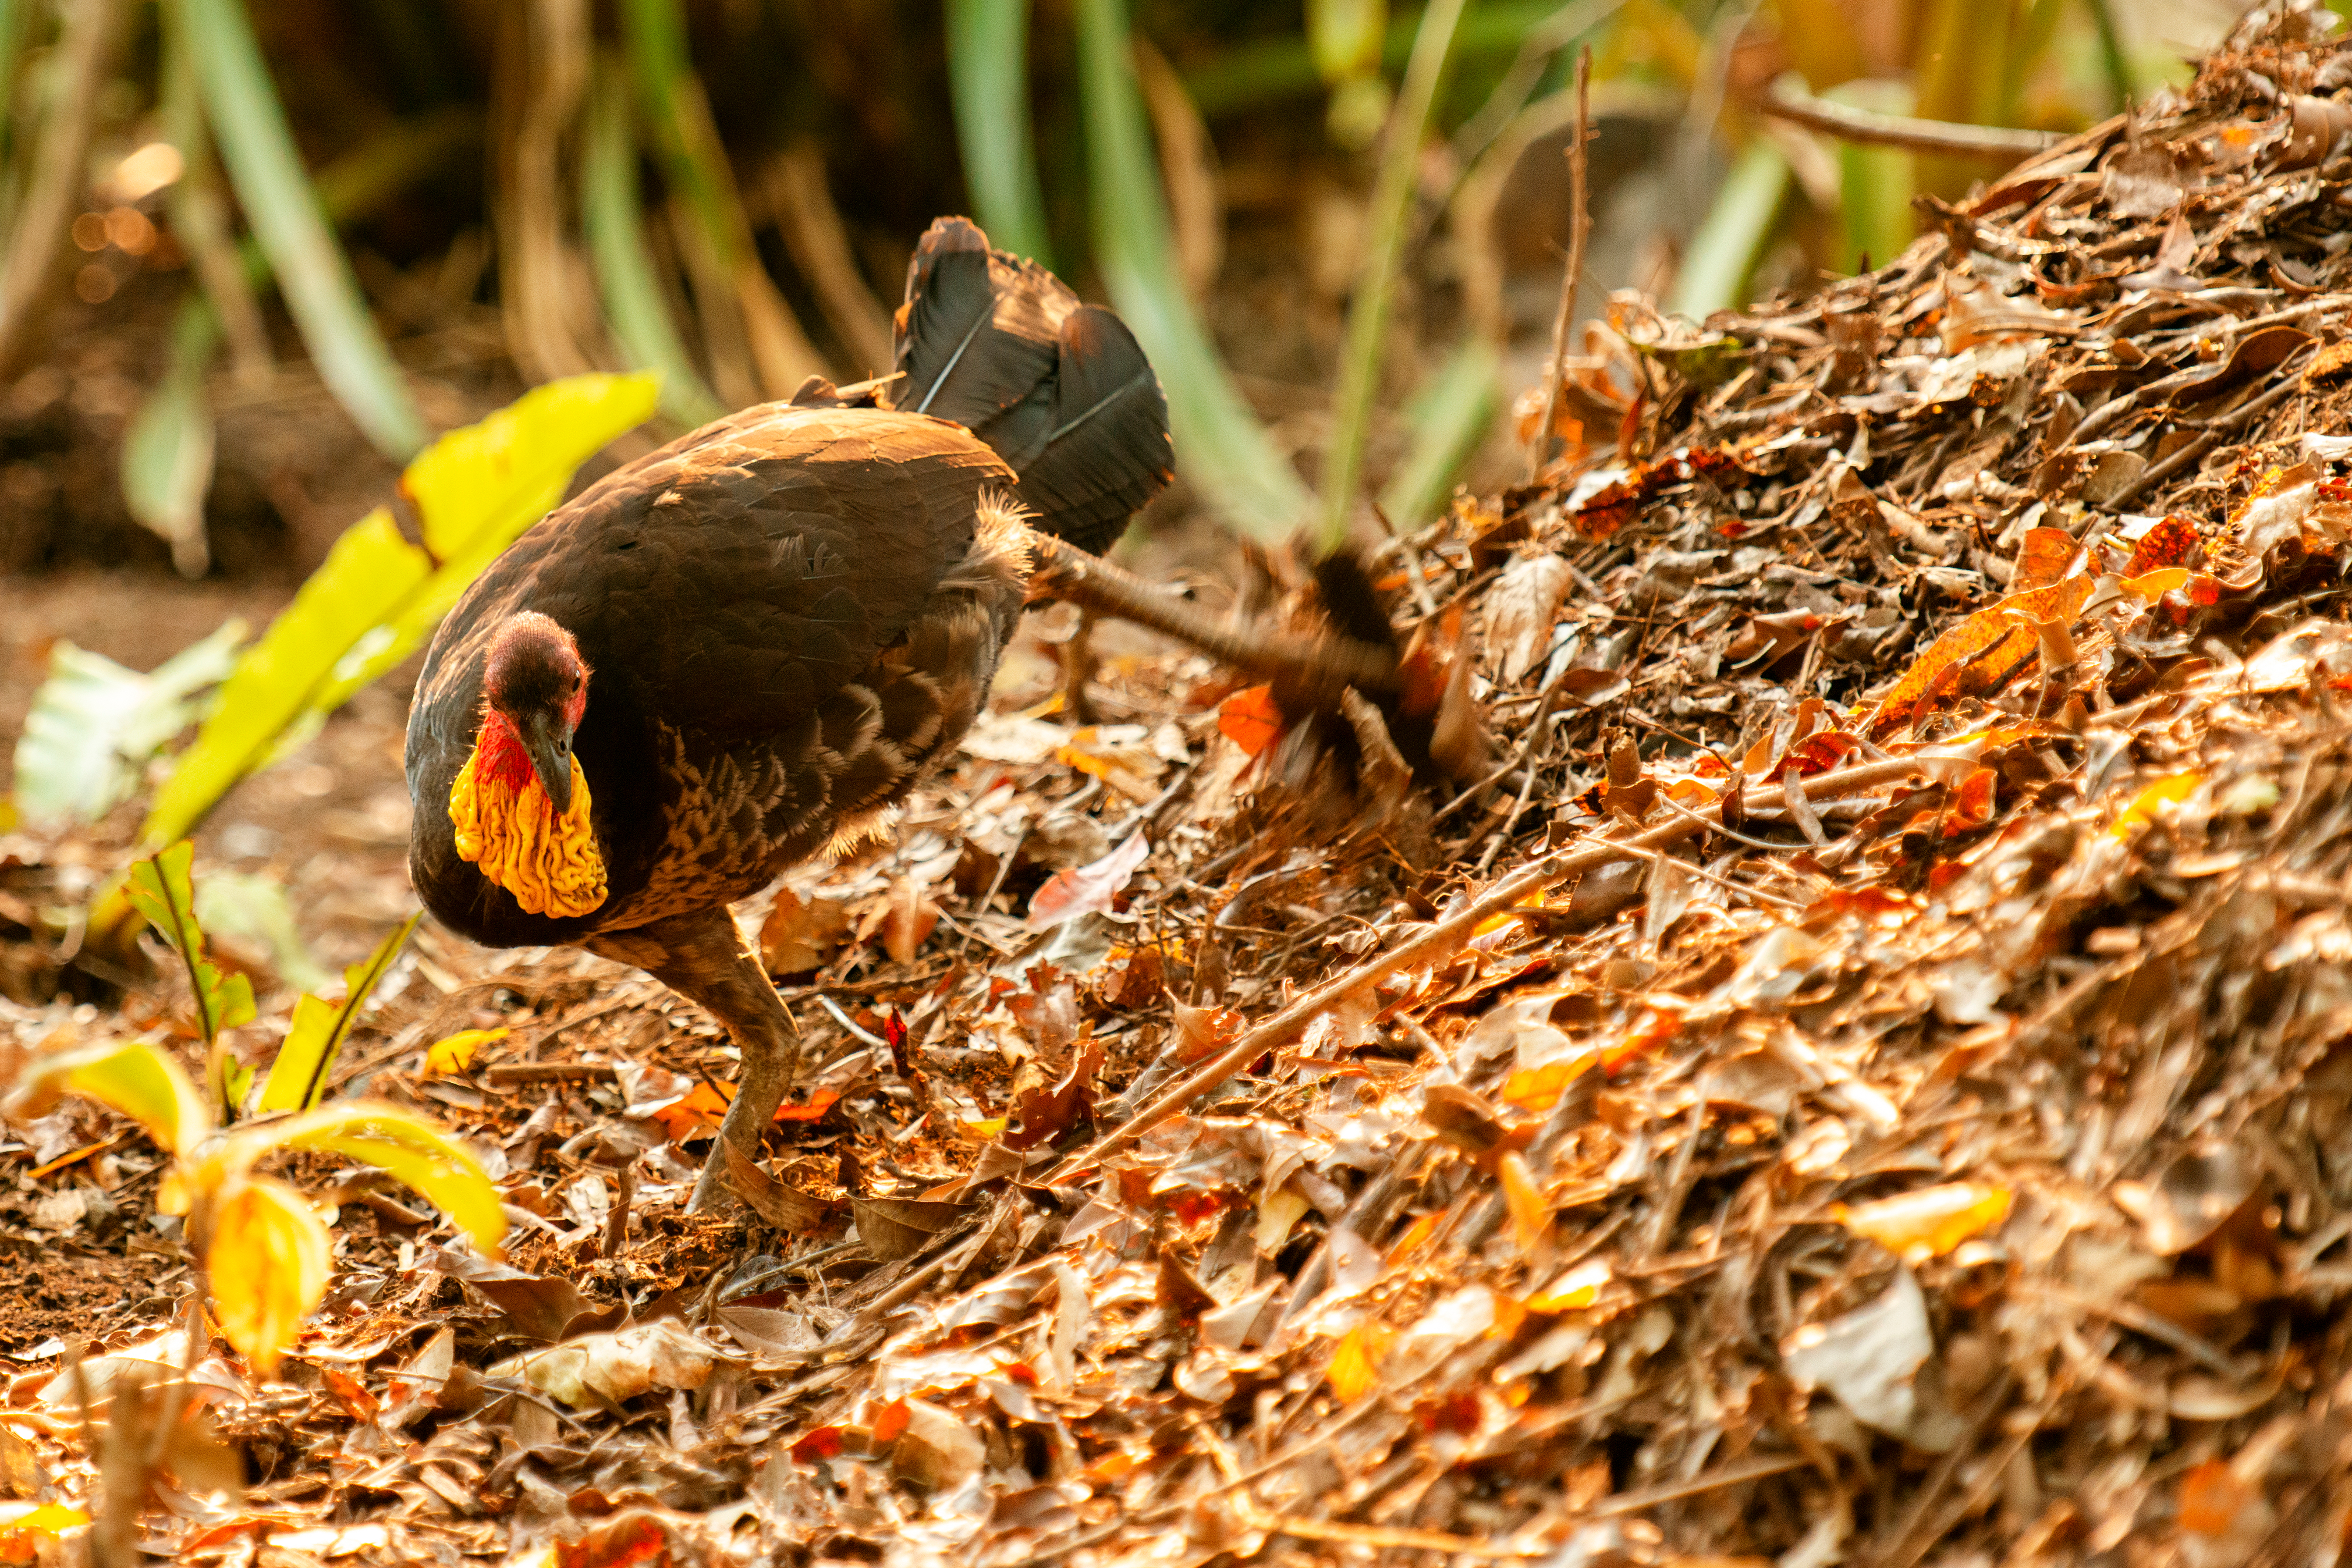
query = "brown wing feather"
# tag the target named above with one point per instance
(753, 601)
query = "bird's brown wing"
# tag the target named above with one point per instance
(743, 572)
(732, 595)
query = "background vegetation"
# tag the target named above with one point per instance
(287, 234)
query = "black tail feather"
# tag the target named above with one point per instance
(1060, 390)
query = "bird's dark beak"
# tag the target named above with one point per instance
(548, 743)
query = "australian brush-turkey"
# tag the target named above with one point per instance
(733, 653)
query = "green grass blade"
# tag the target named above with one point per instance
(987, 67)
(167, 448)
(1219, 446)
(1875, 183)
(297, 1078)
(258, 147)
(724, 260)
(634, 306)
(1270, 70)
(1449, 417)
(1368, 312)
(1714, 270)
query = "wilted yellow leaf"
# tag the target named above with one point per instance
(1275, 1216)
(136, 1079)
(987, 1131)
(1355, 1364)
(268, 1262)
(2154, 585)
(1539, 1087)
(456, 1054)
(2168, 791)
(1928, 1222)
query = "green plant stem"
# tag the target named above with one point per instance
(733, 293)
(1220, 444)
(2111, 54)
(258, 147)
(1368, 312)
(988, 66)
(614, 223)
(1713, 272)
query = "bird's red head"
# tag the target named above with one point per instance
(534, 692)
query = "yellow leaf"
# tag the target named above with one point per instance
(298, 1077)
(29, 1531)
(2154, 585)
(1578, 1288)
(456, 1054)
(987, 1131)
(1539, 1087)
(1928, 1222)
(423, 1155)
(134, 1078)
(1275, 1216)
(268, 1262)
(1355, 1364)
(2168, 791)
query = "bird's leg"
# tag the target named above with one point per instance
(1078, 668)
(1317, 668)
(705, 958)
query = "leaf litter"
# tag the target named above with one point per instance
(1848, 1059)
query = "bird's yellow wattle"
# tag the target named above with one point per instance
(550, 863)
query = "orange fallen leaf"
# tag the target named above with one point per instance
(821, 1444)
(1971, 804)
(2171, 543)
(892, 1421)
(1928, 1222)
(1355, 1364)
(1250, 720)
(1979, 656)
(2043, 557)
(1656, 1027)
(697, 1114)
(820, 1100)
(2154, 585)
(1530, 1215)
(2211, 1499)
(1539, 1087)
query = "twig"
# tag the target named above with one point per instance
(1579, 226)
(1850, 124)
(2157, 473)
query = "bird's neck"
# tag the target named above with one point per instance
(500, 750)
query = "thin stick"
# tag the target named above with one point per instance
(1849, 124)
(1580, 227)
